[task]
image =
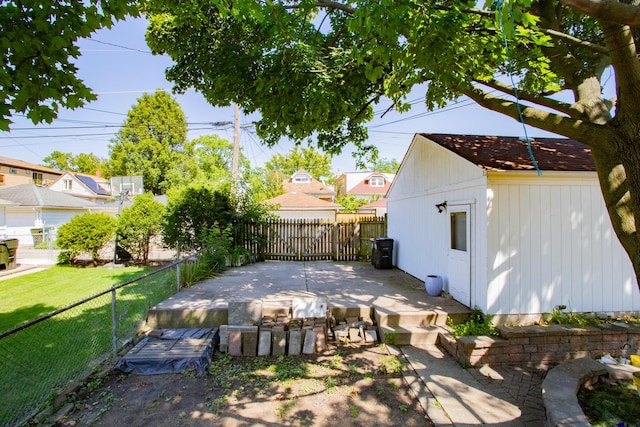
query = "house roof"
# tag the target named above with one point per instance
(92, 184)
(380, 203)
(510, 153)
(34, 195)
(363, 187)
(15, 163)
(297, 200)
(312, 187)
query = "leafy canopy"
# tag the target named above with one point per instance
(87, 163)
(138, 224)
(38, 45)
(151, 142)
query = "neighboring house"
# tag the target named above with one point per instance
(364, 185)
(303, 206)
(377, 208)
(17, 172)
(93, 188)
(473, 210)
(28, 206)
(303, 182)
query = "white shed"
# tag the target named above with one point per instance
(473, 210)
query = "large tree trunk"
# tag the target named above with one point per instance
(618, 169)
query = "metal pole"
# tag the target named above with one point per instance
(114, 337)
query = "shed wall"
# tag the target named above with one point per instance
(550, 242)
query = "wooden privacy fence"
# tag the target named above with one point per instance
(306, 240)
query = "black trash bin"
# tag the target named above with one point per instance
(383, 254)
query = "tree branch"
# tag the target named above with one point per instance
(580, 130)
(559, 106)
(575, 41)
(608, 10)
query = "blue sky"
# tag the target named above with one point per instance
(118, 66)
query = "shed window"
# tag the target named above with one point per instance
(459, 231)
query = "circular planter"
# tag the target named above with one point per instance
(433, 285)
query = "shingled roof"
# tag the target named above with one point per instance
(297, 200)
(510, 153)
(33, 195)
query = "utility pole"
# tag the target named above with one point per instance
(236, 150)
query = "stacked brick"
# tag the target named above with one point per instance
(543, 346)
(354, 330)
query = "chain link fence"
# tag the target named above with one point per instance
(42, 358)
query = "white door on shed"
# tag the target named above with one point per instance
(459, 254)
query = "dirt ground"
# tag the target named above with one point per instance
(349, 385)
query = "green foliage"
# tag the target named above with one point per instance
(350, 202)
(87, 233)
(561, 317)
(151, 143)
(84, 163)
(611, 404)
(138, 224)
(384, 165)
(193, 214)
(478, 324)
(317, 164)
(39, 48)
(390, 365)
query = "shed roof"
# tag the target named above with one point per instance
(34, 195)
(301, 201)
(510, 153)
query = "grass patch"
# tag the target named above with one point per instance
(39, 362)
(30, 296)
(611, 405)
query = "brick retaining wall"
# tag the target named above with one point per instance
(543, 346)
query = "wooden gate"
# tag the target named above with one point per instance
(306, 240)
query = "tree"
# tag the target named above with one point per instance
(194, 214)
(350, 202)
(332, 61)
(151, 143)
(384, 166)
(138, 224)
(82, 162)
(39, 46)
(307, 158)
(87, 233)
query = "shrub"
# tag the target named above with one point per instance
(477, 324)
(86, 233)
(137, 224)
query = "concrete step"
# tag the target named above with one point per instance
(384, 317)
(410, 335)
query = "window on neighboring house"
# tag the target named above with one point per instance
(376, 181)
(301, 178)
(13, 171)
(37, 178)
(68, 184)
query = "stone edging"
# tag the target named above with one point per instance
(562, 383)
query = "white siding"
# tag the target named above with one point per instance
(550, 243)
(430, 175)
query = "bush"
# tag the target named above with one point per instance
(478, 324)
(137, 224)
(86, 233)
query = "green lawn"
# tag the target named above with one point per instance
(30, 296)
(38, 362)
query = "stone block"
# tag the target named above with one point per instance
(309, 307)
(370, 335)
(309, 346)
(264, 343)
(244, 312)
(354, 335)
(321, 339)
(250, 343)
(235, 343)
(278, 342)
(224, 338)
(295, 342)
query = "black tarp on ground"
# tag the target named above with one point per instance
(166, 351)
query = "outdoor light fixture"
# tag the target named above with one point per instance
(441, 206)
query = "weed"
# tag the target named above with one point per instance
(390, 365)
(477, 324)
(610, 405)
(465, 364)
(394, 384)
(391, 338)
(368, 377)
(282, 410)
(561, 317)
(380, 389)
(330, 383)
(403, 408)
(353, 410)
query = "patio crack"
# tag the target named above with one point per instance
(306, 280)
